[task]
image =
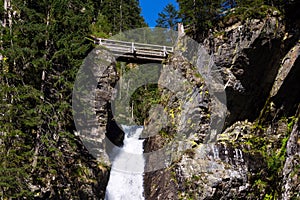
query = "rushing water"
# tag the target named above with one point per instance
(126, 176)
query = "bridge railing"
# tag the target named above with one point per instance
(135, 47)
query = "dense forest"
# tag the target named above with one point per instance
(200, 16)
(42, 46)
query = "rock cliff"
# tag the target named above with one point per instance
(257, 154)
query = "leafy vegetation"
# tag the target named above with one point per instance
(142, 100)
(274, 155)
(199, 16)
(42, 45)
(122, 14)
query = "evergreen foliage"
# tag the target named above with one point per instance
(101, 28)
(41, 52)
(42, 46)
(142, 100)
(122, 14)
(199, 16)
(168, 18)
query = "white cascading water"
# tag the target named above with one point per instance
(126, 176)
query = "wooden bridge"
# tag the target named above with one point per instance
(135, 52)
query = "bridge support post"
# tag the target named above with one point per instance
(180, 29)
(132, 47)
(135, 51)
(165, 51)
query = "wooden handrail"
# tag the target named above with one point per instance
(135, 49)
(136, 45)
(107, 41)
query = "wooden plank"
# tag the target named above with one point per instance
(132, 50)
(136, 44)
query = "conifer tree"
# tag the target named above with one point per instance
(198, 16)
(42, 45)
(122, 14)
(168, 18)
(41, 52)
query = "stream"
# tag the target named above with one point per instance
(126, 176)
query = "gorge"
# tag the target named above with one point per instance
(126, 176)
(259, 62)
(216, 116)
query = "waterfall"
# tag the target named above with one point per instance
(126, 176)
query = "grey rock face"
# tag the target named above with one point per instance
(249, 56)
(291, 170)
(286, 89)
(257, 155)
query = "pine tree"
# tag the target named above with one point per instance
(42, 50)
(168, 18)
(18, 117)
(101, 27)
(122, 14)
(199, 16)
(42, 46)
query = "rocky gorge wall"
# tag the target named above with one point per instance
(257, 154)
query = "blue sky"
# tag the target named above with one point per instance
(151, 8)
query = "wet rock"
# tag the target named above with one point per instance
(291, 170)
(257, 154)
(249, 55)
